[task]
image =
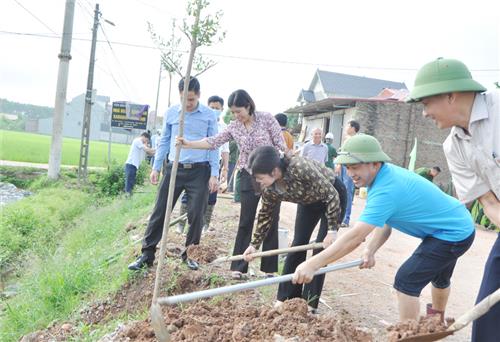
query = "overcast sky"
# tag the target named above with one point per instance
(272, 48)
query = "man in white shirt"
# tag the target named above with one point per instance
(315, 149)
(453, 99)
(136, 155)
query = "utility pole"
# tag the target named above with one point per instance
(157, 96)
(84, 145)
(170, 71)
(62, 85)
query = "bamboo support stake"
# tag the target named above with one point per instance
(157, 320)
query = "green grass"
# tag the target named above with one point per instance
(33, 224)
(35, 148)
(89, 262)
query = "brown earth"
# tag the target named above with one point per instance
(240, 319)
(411, 328)
(358, 305)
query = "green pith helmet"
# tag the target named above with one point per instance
(443, 76)
(361, 148)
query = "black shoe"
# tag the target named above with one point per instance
(141, 262)
(191, 264)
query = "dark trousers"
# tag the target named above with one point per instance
(195, 183)
(248, 209)
(130, 176)
(212, 198)
(486, 328)
(349, 185)
(305, 222)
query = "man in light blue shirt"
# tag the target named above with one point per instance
(400, 199)
(197, 173)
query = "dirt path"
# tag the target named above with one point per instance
(368, 294)
(42, 166)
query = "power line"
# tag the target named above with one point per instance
(257, 59)
(118, 62)
(34, 16)
(58, 36)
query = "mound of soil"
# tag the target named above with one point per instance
(425, 325)
(61, 332)
(202, 253)
(241, 319)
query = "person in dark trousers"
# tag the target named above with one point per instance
(250, 130)
(197, 173)
(138, 150)
(454, 100)
(319, 194)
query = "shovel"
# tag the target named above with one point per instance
(300, 248)
(477, 311)
(187, 297)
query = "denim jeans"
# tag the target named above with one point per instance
(130, 175)
(349, 185)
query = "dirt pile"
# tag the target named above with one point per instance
(202, 253)
(425, 325)
(241, 319)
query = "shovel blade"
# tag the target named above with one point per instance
(158, 323)
(428, 337)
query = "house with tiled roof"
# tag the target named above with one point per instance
(333, 99)
(333, 84)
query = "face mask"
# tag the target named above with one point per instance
(217, 113)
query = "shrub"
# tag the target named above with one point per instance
(112, 181)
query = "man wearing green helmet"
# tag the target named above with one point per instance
(454, 100)
(400, 199)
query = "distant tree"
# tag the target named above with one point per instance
(25, 110)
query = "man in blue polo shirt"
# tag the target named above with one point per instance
(400, 199)
(198, 173)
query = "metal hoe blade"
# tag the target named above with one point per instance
(158, 323)
(428, 337)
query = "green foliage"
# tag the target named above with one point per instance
(31, 224)
(228, 116)
(204, 32)
(35, 148)
(58, 284)
(21, 177)
(293, 123)
(477, 212)
(25, 110)
(112, 181)
(12, 125)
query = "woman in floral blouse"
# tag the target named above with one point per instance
(250, 130)
(318, 192)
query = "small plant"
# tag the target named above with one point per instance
(215, 280)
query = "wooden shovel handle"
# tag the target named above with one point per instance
(273, 252)
(477, 311)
